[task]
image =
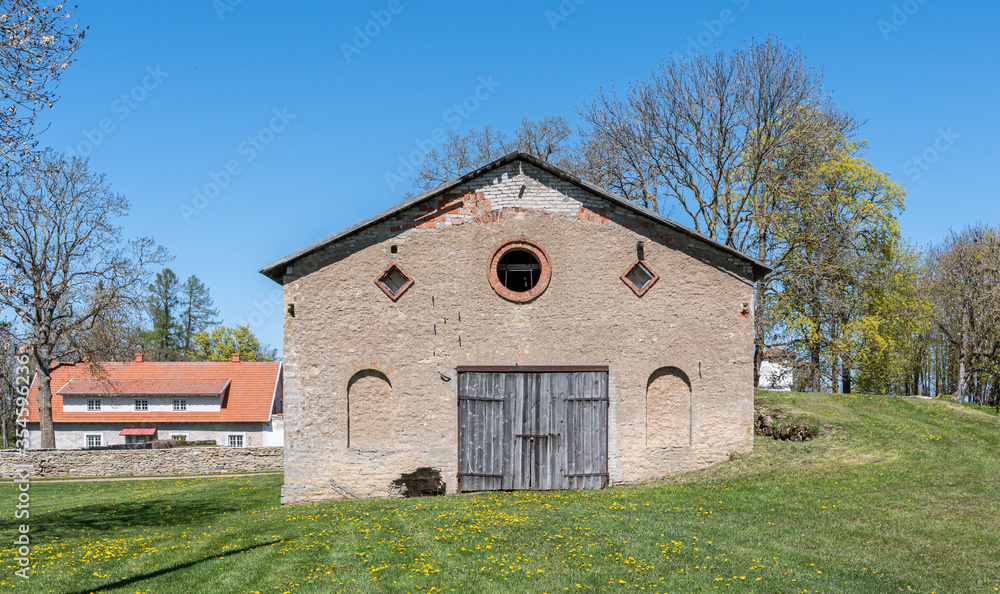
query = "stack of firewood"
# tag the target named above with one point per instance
(767, 424)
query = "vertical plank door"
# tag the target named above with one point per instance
(538, 429)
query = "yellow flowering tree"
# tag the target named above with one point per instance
(222, 342)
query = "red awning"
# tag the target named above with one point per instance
(138, 431)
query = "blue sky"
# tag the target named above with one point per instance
(243, 130)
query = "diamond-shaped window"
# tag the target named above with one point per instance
(640, 277)
(394, 281)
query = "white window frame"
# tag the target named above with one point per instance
(180, 404)
(175, 435)
(100, 440)
(135, 405)
(96, 407)
(243, 440)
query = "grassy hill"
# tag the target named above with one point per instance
(895, 495)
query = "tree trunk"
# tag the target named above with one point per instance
(834, 372)
(814, 360)
(845, 379)
(757, 358)
(961, 380)
(3, 419)
(963, 354)
(48, 441)
(758, 306)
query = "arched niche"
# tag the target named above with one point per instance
(668, 408)
(369, 410)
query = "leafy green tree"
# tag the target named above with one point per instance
(196, 312)
(839, 224)
(889, 341)
(164, 339)
(222, 342)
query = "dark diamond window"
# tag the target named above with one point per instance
(640, 277)
(519, 270)
(394, 281)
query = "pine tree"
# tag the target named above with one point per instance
(196, 313)
(164, 307)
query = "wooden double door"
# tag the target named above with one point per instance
(534, 428)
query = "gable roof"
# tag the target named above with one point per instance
(248, 390)
(276, 270)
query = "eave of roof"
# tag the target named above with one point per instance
(275, 270)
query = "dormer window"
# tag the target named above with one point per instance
(180, 404)
(93, 405)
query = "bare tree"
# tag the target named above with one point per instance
(708, 133)
(723, 136)
(64, 264)
(116, 334)
(549, 139)
(8, 388)
(37, 43)
(964, 279)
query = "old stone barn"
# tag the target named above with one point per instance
(515, 328)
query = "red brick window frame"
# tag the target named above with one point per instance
(652, 275)
(524, 245)
(406, 284)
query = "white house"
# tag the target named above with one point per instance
(234, 403)
(776, 370)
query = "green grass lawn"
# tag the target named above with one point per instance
(896, 495)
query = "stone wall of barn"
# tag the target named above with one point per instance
(167, 462)
(370, 383)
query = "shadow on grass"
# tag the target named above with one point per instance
(112, 516)
(152, 574)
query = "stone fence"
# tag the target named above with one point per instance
(169, 462)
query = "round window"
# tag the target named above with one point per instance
(519, 270)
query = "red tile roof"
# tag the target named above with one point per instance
(249, 398)
(128, 387)
(777, 352)
(138, 431)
